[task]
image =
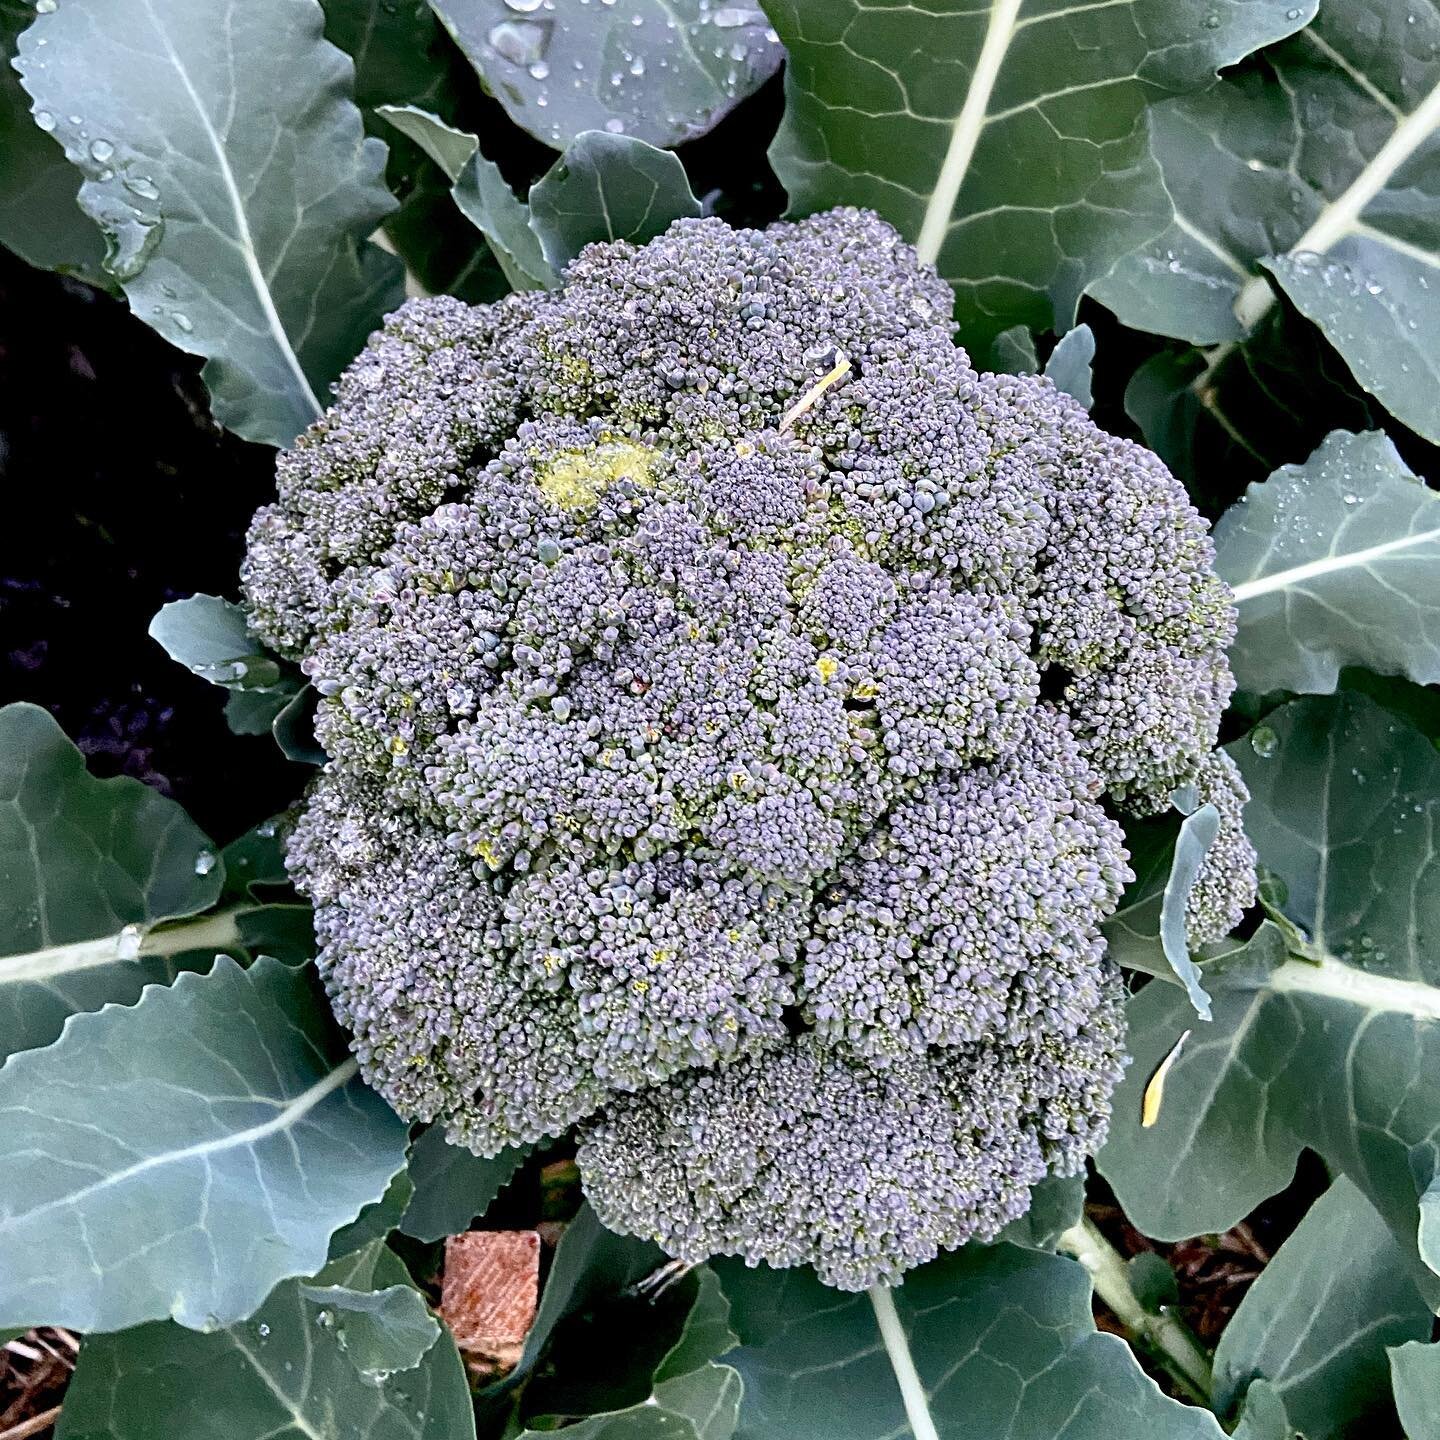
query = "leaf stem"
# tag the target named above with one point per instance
(897, 1347)
(1164, 1334)
(220, 930)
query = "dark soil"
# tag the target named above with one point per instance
(120, 494)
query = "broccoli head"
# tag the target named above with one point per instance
(730, 696)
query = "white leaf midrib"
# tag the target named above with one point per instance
(283, 1119)
(965, 134)
(1341, 216)
(902, 1362)
(220, 930)
(1329, 565)
(1332, 979)
(244, 239)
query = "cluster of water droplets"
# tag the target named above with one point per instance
(703, 54)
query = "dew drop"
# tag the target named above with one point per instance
(325, 1319)
(615, 125)
(183, 323)
(521, 42)
(539, 71)
(127, 943)
(264, 1330)
(101, 150)
(142, 186)
(1264, 741)
(205, 862)
(524, 7)
(45, 7)
(45, 120)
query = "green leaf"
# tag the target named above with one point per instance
(40, 215)
(1147, 931)
(1336, 198)
(1338, 1049)
(375, 1221)
(399, 50)
(452, 1186)
(254, 712)
(383, 1332)
(701, 1405)
(607, 187)
(280, 1374)
(209, 637)
(924, 112)
(1013, 352)
(1263, 1417)
(227, 167)
(402, 55)
(1152, 1280)
(1070, 361)
(482, 193)
(180, 1157)
(991, 1341)
(1055, 1206)
(590, 1264)
(1415, 1370)
(1334, 563)
(706, 1335)
(86, 867)
(661, 70)
(1318, 1319)
(294, 728)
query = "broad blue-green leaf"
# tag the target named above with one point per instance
(1070, 361)
(932, 115)
(607, 187)
(209, 637)
(40, 215)
(452, 1186)
(706, 1334)
(1415, 1371)
(1147, 930)
(402, 55)
(1013, 352)
(1334, 562)
(1336, 197)
(1055, 1206)
(180, 1157)
(1371, 296)
(294, 728)
(589, 1262)
(226, 165)
(703, 1404)
(1318, 1319)
(1263, 1416)
(375, 1221)
(382, 1332)
(661, 70)
(994, 1341)
(86, 868)
(482, 193)
(278, 1376)
(1336, 1048)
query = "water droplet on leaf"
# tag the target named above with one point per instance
(1264, 741)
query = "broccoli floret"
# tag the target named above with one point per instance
(729, 695)
(1225, 887)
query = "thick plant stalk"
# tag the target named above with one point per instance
(1165, 1335)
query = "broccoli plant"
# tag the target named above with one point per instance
(822, 846)
(722, 685)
